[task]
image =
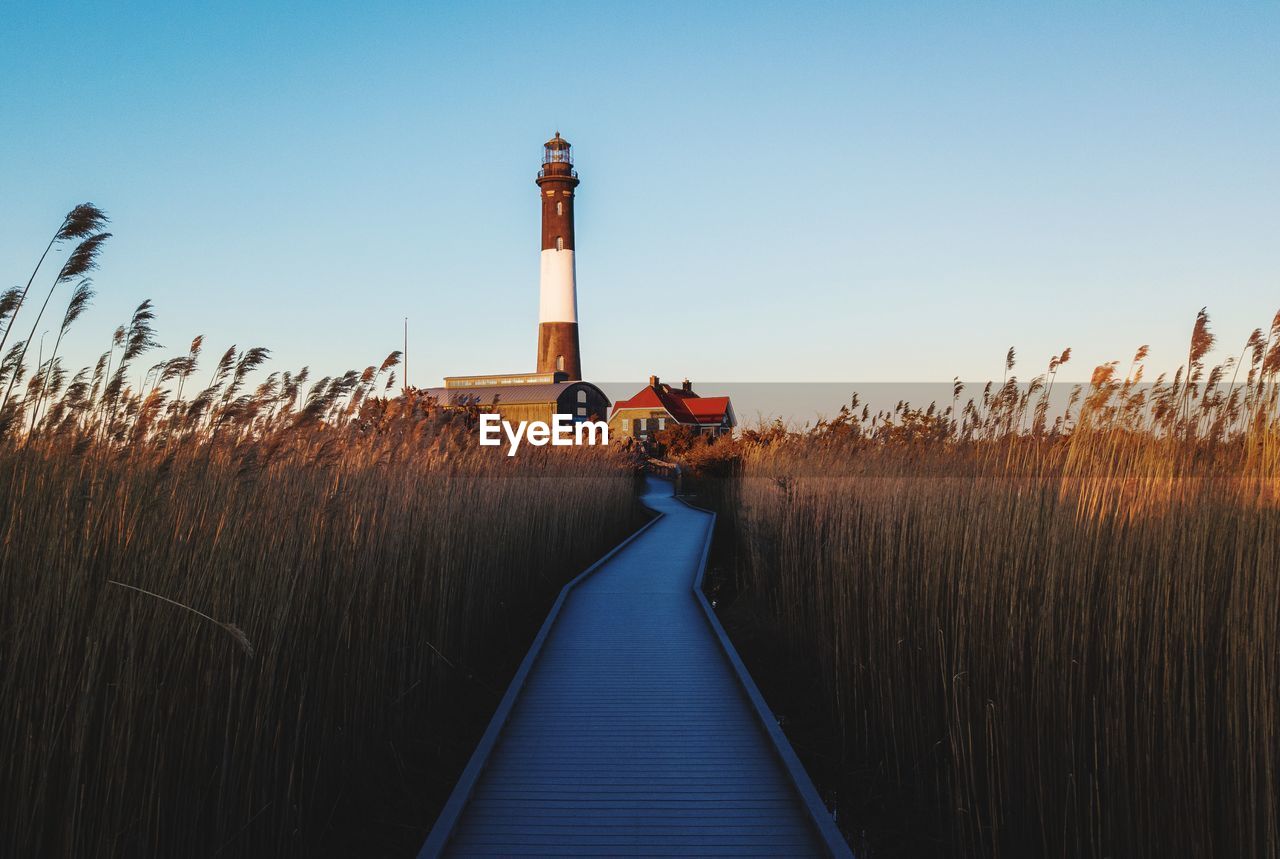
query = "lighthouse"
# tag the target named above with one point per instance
(558, 301)
(557, 386)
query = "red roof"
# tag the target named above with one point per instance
(685, 406)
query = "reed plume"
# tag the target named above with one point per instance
(1044, 639)
(223, 615)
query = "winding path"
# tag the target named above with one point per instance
(632, 727)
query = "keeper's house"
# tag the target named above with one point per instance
(659, 407)
(525, 396)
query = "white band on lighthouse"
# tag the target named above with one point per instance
(558, 301)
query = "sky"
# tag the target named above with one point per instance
(818, 192)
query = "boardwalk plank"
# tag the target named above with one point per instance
(631, 731)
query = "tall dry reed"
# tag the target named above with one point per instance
(246, 614)
(1059, 629)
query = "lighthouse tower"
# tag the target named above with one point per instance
(558, 305)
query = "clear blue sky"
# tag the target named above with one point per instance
(820, 192)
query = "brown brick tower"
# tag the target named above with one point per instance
(558, 303)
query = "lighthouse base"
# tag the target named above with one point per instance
(558, 349)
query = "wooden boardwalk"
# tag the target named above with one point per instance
(632, 727)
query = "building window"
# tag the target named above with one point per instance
(644, 424)
(582, 411)
(662, 423)
(582, 396)
(559, 243)
(559, 362)
(559, 208)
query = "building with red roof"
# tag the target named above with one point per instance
(659, 407)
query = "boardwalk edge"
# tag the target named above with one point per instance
(817, 811)
(447, 822)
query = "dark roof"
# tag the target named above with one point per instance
(511, 394)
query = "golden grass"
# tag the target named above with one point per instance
(259, 618)
(1064, 636)
(371, 577)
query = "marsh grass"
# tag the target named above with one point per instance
(1060, 631)
(247, 614)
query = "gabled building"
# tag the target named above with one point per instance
(659, 407)
(525, 397)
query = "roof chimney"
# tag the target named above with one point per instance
(686, 386)
(653, 382)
